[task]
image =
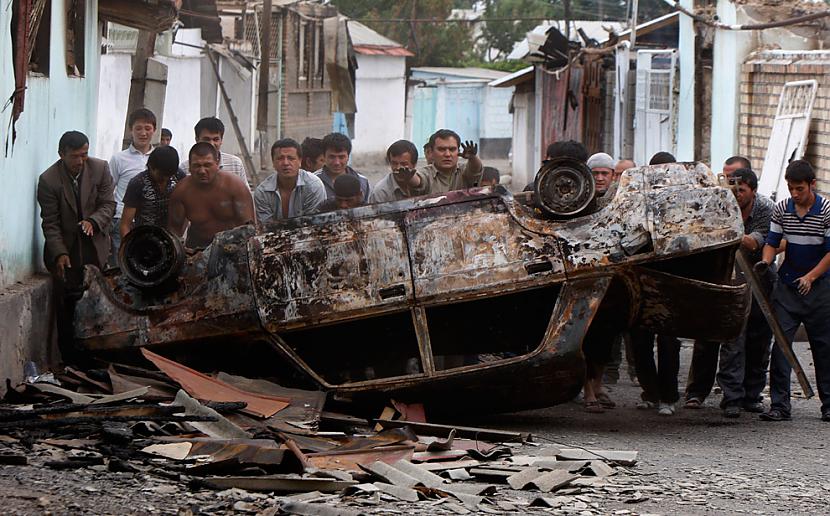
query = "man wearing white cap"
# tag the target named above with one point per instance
(602, 166)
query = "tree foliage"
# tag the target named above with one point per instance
(450, 44)
(434, 44)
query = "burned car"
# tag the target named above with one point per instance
(468, 299)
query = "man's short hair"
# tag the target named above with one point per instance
(745, 176)
(567, 149)
(166, 133)
(312, 148)
(203, 149)
(662, 157)
(164, 159)
(800, 170)
(444, 134)
(287, 143)
(346, 185)
(210, 124)
(490, 173)
(337, 142)
(141, 115)
(401, 147)
(742, 161)
(72, 140)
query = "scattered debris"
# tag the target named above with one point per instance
(269, 450)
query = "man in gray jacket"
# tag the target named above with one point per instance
(290, 191)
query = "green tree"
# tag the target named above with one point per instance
(501, 36)
(435, 43)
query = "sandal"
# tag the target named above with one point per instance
(694, 403)
(605, 401)
(593, 407)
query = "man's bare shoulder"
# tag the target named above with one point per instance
(182, 187)
(233, 184)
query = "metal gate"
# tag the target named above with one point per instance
(788, 139)
(654, 106)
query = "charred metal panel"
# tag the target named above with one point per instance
(330, 271)
(213, 300)
(682, 307)
(553, 373)
(654, 212)
(688, 211)
(476, 247)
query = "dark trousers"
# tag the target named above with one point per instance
(813, 310)
(612, 370)
(659, 382)
(703, 369)
(65, 295)
(743, 362)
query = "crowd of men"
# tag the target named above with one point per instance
(800, 294)
(88, 206)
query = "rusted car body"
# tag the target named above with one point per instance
(467, 299)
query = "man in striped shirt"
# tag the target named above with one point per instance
(803, 293)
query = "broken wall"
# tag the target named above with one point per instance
(763, 76)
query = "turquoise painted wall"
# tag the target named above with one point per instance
(53, 105)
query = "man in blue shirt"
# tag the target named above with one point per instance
(803, 293)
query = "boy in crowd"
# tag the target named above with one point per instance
(211, 130)
(166, 136)
(489, 177)
(314, 154)
(338, 148)
(148, 194)
(128, 163)
(802, 294)
(347, 194)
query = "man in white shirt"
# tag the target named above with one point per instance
(128, 163)
(212, 130)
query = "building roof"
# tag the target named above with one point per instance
(647, 27)
(369, 42)
(156, 16)
(523, 75)
(467, 73)
(202, 14)
(597, 30)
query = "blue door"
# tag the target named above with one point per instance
(423, 114)
(462, 115)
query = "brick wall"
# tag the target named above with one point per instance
(762, 79)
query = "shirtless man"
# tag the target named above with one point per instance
(210, 199)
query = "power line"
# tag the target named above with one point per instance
(478, 20)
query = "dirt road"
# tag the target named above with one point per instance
(695, 462)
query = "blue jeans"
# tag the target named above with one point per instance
(793, 309)
(115, 237)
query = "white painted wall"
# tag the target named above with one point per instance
(113, 96)
(686, 98)
(525, 163)
(496, 119)
(380, 85)
(53, 106)
(182, 106)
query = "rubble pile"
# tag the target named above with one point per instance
(263, 448)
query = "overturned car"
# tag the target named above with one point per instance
(464, 300)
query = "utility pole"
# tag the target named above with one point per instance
(633, 38)
(264, 80)
(567, 5)
(264, 66)
(145, 47)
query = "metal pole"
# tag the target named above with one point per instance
(633, 39)
(766, 307)
(264, 66)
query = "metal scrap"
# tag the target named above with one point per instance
(204, 387)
